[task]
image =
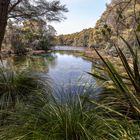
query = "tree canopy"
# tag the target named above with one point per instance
(21, 10)
(40, 9)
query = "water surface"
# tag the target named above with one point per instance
(69, 68)
(64, 68)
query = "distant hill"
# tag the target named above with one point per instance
(82, 38)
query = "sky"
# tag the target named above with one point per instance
(82, 14)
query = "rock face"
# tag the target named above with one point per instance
(120, 16)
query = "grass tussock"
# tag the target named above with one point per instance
(71, 120)
(30, 111)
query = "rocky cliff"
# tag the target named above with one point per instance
(121, 17)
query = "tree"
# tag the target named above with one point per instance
(4, 4)
(29, 9)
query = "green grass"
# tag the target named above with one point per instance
(124, 92)
(17, 86)
(30, 110)
(74, 119)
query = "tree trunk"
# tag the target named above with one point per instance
(3, 19)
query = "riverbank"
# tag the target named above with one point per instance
(8, 53)
(88, 53)
(91, 54)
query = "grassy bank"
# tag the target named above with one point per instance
(31, 111)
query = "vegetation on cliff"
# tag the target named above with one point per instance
(119, 16)
(83, 38)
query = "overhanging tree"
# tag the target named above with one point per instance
(29, 9)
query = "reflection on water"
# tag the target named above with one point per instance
(70, 69)
(64, 68)
(69, 48)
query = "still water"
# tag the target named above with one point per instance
(70, 69)
(62, 67)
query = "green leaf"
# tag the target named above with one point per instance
(97, 76)
(138, 28)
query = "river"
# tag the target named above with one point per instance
(64, 68)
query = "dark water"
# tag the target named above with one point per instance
(64, 68)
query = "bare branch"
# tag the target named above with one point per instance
(14, 5)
